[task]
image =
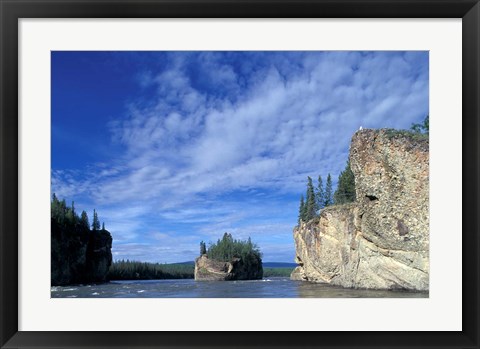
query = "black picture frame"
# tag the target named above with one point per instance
(12, 10)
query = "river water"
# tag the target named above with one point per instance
(272, 287)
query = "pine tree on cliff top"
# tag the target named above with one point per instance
(203, 248)
(328, 191)
(302, 210)
(84, 221)
(320, 194)
(96, 222)
(346, 186)
(55, 208)
(424, 127)
(70, 216)
(311, 202)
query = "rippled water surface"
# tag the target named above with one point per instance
(275, 287)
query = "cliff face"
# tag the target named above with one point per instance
(79, 257)
(382, 240)
(211, 270)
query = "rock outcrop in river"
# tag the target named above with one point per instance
(382, 240)
(211, 270)
(80, 256)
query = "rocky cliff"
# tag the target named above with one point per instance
(80, 256)
(382, 240)
(211, 270)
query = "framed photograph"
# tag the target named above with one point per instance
(238, 174)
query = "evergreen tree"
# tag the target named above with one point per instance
(55, 208)
(320, 194)
(84, 221)
(96, 222)
(302, 210)
(249, 243)
(311, 203)
(424, 127)
(346, 186)
(62, 212)
(328, 192)
(70, 215)
(426, 124)
(203, 248)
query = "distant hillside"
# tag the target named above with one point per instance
(279, 265)
(187, 263)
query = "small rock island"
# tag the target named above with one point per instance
(229, 259)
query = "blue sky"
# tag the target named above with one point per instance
(172, 148)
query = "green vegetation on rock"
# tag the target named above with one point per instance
(423, 128)
(417, 132)
(391, 133)
(227, 248)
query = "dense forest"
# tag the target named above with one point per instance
(133, 270)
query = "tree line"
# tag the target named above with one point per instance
(134, 270)
(66, 216)
(285, 272)
(318, 197)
